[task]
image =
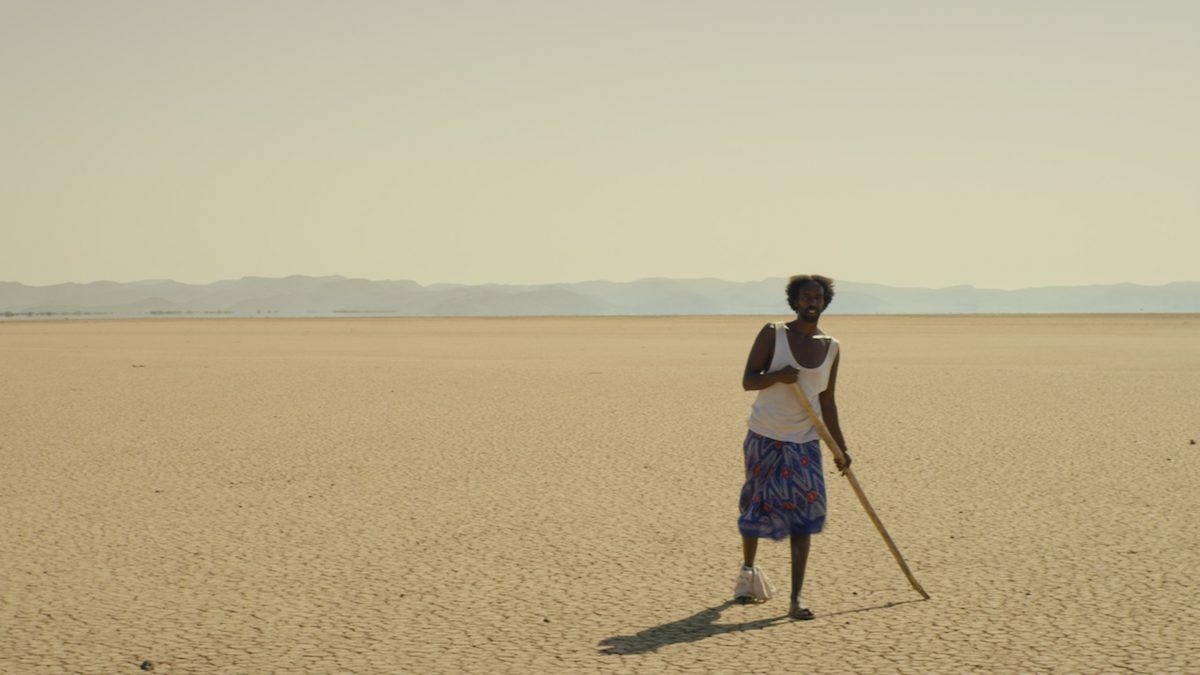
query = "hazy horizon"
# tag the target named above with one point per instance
(1008, 146)
(583, 281)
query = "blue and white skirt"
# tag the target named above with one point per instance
(784, 492)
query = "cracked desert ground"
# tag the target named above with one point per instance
(559, 495)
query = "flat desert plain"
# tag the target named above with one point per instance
(560, 495)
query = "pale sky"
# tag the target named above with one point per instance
(1003, 145)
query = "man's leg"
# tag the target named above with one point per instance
(800, 544)
(749, 550)
(748, 589)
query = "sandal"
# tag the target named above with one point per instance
(799, 612)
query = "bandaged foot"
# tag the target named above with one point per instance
(752, 585)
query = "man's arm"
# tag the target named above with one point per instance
(829, 411)
(754, 376)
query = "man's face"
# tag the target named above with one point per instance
(810, 302)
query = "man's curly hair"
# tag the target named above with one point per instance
(800, 280)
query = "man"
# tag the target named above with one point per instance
(784, 493)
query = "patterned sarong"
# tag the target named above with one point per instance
(784, 492)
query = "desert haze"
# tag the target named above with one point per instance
(560, 494)
(302, 296)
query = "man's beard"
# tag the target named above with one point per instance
(805, 317)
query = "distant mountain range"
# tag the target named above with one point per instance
(339, 296)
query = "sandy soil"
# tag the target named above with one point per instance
(555, 495)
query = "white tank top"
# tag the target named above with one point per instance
(776, 413)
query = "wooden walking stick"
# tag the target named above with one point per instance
(823, 431)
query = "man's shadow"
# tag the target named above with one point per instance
(695, 627)
(701, 625)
